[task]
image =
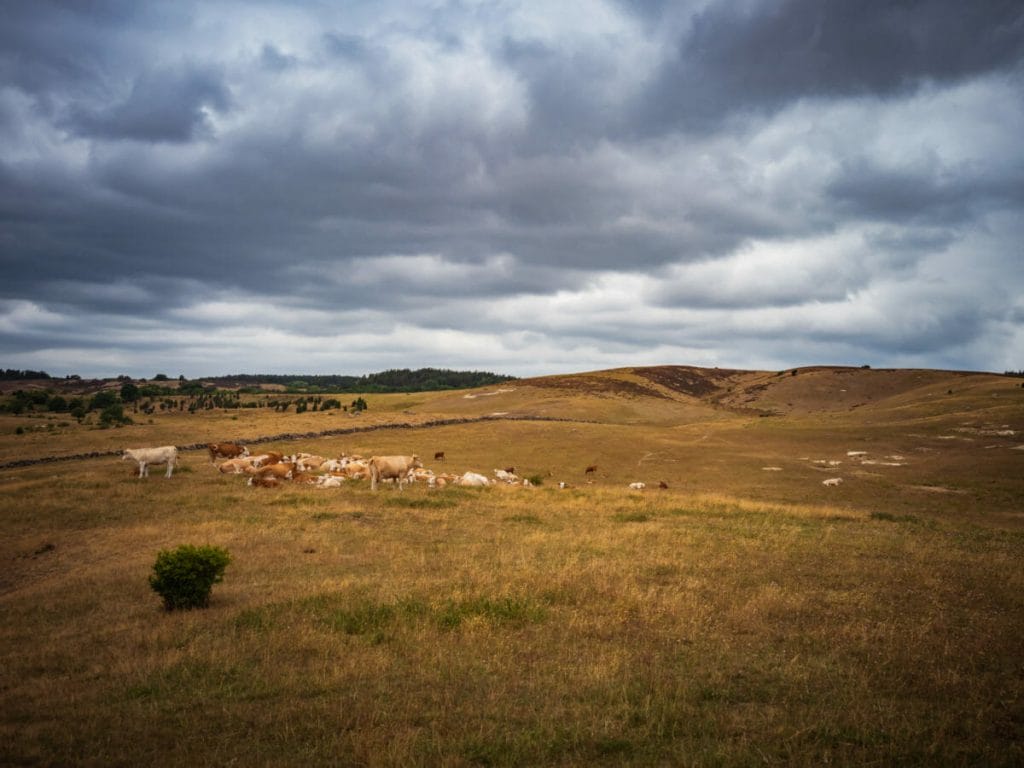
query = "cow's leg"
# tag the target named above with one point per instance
(142, 470)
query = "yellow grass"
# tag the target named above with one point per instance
(740, 617)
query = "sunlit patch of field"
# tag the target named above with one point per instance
(741, 616)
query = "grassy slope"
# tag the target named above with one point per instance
(742, 616)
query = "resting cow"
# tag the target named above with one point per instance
(226, 451)
(395, 468)
(166, 454)
(473, 480)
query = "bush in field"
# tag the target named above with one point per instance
(102, 400)
(185, 576)
(113, 415)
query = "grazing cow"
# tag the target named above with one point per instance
(226, 451)
(592, 468)
(396, 468)
(637, 486)
(663, 485)
(439, 456)
(832, 481)
(166, 454)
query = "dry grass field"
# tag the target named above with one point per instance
(746, 615)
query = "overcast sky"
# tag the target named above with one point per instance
(202, 188)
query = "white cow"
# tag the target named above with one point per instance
(637, 486)
(473, 480)
(166, 454)
(832, 481)
(397, 468)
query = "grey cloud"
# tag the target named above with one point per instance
(163, 105)
(273, 59)
(738, 58)
(496, 171)
(925, 192)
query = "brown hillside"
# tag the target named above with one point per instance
(796, 392)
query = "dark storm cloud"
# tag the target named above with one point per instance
(161, 106)
(738, 57)
(620, 179)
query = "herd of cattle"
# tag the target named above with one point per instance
(272, 468)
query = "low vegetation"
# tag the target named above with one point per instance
(739, 617)
(184, 577)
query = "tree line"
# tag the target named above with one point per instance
(393, 380)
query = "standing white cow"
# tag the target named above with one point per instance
(395, 468)
(166, 454)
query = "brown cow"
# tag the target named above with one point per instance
(282, 471)
(392, 467)
(439, 456)
(226, 451)
(591, 468)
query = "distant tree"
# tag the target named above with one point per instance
(102, 400)
(12, 374)
(359, 404)
(160, 377)
(129, 392)
(113, 415)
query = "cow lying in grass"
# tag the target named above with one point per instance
(166, 454)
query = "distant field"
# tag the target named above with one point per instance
(746, 615)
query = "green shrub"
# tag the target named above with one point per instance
(184, 577)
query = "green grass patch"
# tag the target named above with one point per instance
(321, 516)
(527, 519)
(631, 517)
(430, 502)
(502, 611)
